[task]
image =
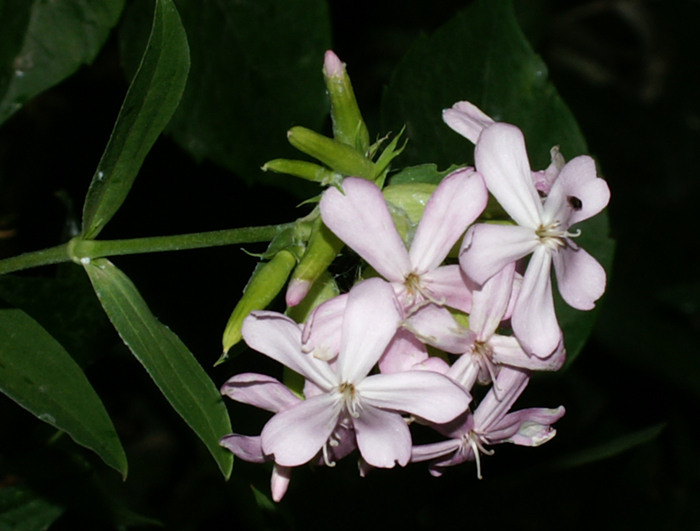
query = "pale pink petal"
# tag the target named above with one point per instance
(534, 321)
(496, 403)
(527, 427)
(260, 391)
(501, 159)
(454, 205)
(577, 194)
(507, 351)
(322, 330)
(279, 482)
(244, 447)
(403, 352)
(429, 395)
(580, 278)
(294, 436)
(279, 338)
(435, 326)
(371, 320)
(467, 119)
(447, 285)
(426, 452)
(361, 219)
(432, 364)
(488, 248)
(465, 370)
(296, 291)
(383, 437)
(490, 302)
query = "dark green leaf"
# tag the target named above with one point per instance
(40, 375)
(611, 448)
(172, 366)
(23, 510)
(56, 39)
(482, 56)
(256, 72)
(153, 95)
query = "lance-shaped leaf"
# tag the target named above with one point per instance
(172, 366)
(152, 98)
(45, 42)
(38, 374)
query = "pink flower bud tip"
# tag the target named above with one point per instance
(296, 291)
(332, 66)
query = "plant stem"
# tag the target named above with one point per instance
(97, 249)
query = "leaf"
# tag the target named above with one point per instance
(45, 42)
(38, 374)
(483, 57)
(22, 510)
(256, 72)
(610, 448)
(165, 357)
(152, 98)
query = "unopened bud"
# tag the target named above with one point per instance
(304, 170)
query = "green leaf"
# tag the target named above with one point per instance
(37, 373)
(45, 42)
(610, 448)
(22, 510)
(256, 72)
(483, 57)
(152, 98)
(172, 366)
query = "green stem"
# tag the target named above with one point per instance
(77, 249)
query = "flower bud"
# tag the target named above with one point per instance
(340, 157)
(320, 252)
(304, 170)
(348, 125)
(265, 283)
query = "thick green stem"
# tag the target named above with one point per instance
(78, 249)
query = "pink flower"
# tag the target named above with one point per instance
(361, 218)
(371, 404)
(490, 424)
(542, 230)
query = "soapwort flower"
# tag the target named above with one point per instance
(360, 217)
(371, 404)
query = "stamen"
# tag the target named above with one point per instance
(477, 447)
(326, 458)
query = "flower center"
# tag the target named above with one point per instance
(476, 442)
(350, 398)
(554, 237)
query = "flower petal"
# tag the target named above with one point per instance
(260, 391)
(435, 326)
(361, 219)
(580, 278)
(467, 119)
(429, 395)
(383, 437)
(487, 249)
(447, 285)
(454, 205)
(496, 403)
(507, 351)
(322, 329)
(426, 452)
(527, 427)
(501, 158)
(370, 321)
(279, 482)
(294, 436)
(534, 321)
(489, 304)
(244, 447)
(577, 194)
(403, 352)
(279, 338)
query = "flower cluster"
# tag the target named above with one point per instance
(364, 354)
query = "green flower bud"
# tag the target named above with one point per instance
(265, 283)
(320, 252)
(340, 157)
(304, 170)
(348, 125)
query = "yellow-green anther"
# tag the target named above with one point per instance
(320, 252)
(304, 170)
(340, 157)
(348, 125)
(266, 282)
